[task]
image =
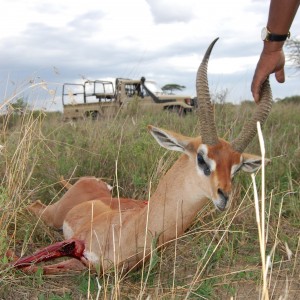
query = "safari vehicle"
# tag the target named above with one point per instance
(100, 98)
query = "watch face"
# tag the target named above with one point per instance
(264, 33)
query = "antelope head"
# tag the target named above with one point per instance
(213, 162)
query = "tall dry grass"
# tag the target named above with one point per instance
(218, 258)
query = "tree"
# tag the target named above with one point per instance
(19, 106)
(171, 87)
(293, 53)
(291, 99)
(220, 97)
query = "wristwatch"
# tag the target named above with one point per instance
(266, 35)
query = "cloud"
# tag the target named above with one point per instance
(164, 11)
(88, 22)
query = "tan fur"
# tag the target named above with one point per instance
(85, 189)
(66, 184)
(225, 157)
(115, 231)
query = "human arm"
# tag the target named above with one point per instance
(272, 59)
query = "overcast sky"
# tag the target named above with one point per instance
(164, 40)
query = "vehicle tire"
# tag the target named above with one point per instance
(93, 115)
(195, 102)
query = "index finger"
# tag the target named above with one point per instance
(255, 88)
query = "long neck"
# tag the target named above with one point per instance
(177, 200)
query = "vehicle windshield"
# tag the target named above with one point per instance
(153, 87)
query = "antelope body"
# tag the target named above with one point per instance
(102, 231)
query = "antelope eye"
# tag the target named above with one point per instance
(203, 165)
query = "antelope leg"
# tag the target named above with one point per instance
(73, 248)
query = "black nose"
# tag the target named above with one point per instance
(223, 195)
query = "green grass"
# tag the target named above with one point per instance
(217, 258)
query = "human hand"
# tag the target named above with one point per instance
(271, 61)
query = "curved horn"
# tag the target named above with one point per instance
(260, 114)
(208, 129)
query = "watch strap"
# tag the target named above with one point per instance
(272, 37)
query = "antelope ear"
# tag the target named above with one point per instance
(169, 140)
(252, 162)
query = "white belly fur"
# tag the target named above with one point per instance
(67, 230)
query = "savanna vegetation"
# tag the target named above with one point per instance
(218, 258)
